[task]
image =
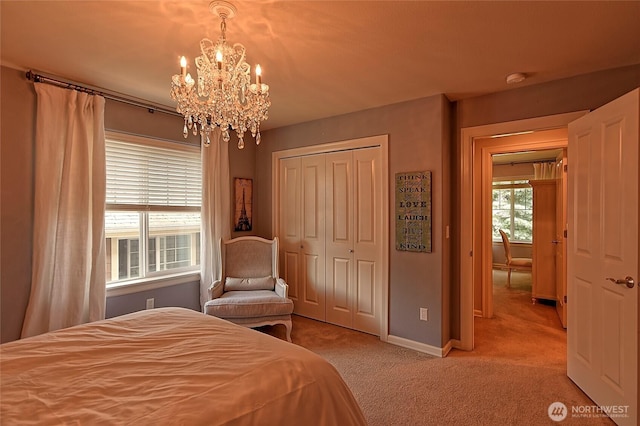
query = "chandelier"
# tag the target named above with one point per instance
(223, 96)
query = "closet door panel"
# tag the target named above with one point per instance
(313, 294)
(341, 278)
(339, 238)
(289, 225)
(290, 271)
(367, 240)
(312, 227)
(340, 201)
(365, 295)
(365, 199)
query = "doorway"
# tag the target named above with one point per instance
(536, 145)
(475, 246)
(519, 179)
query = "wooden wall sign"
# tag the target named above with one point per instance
(413, 211)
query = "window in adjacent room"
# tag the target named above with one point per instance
(513, 210)
(152, 218)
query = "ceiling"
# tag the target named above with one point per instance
(325, 58)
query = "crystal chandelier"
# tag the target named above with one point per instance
(224, 95)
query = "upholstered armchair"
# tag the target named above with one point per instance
(249, 291)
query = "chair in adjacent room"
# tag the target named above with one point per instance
(513, 263)
(249, 291)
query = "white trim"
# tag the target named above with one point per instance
(381, 141)
(422, 347)
(467, 232)
(384, 320)
(150, 141)
(135, 286)
(369, 141)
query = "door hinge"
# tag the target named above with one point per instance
(565, 168)
(565, 233)
(565, 299)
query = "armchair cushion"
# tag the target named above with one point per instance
(253, 304)
(262, 283)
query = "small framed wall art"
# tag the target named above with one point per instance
(243, 205)
(413, 211)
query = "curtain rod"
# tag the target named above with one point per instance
(513, 163)
(39, 78)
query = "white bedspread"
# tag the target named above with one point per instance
(169, 366)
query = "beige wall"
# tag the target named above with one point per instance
(418, 141)
(17, 123)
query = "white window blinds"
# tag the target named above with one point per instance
(152, 175)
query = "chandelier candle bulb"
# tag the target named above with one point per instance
(258, 76)
(183, 66)
(219, 60)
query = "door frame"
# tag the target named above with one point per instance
(470, 204)
(381, 141)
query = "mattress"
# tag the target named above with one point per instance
(169, 366)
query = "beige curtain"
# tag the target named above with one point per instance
(545, 170)
(68, 265)
(216, 209)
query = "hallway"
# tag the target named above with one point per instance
(520, 329)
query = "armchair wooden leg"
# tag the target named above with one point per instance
(509, 278)
(288, 325)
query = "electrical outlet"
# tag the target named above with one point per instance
(150, 303)
(424, 314)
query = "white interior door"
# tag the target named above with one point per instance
(367, 240)
(354, 239)
(339, 238)
(312, 245)
(302, 232)
(289, 224)
(602, 330)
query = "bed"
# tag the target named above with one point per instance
(169, 366)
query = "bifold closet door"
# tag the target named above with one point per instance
(353, 232)
(302, 252)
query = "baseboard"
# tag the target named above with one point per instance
(456, 344)
(447, 347)
(421, 347)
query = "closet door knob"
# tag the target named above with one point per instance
(350, 250)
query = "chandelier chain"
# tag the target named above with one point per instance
(223, 27)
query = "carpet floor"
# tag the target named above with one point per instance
(517, 369)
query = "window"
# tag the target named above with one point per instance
(152, 218)
(513, 210)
